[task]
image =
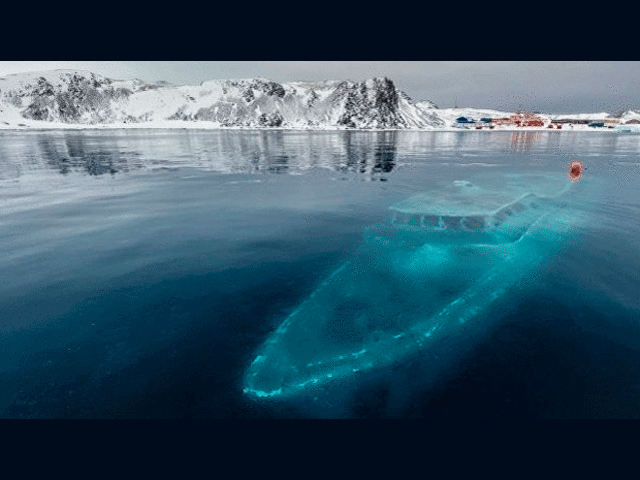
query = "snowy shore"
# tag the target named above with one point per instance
(183, 125)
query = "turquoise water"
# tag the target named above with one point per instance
(142, 270)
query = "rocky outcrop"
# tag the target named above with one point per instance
(370, 103)
(76, 99)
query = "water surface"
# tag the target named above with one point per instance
(142, 269)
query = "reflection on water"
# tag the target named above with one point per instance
(371, 154)
(362, 158)
(74, 155)
(524, 142)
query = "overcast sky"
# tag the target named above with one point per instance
(549, 87)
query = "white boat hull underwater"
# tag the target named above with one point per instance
(420, 281)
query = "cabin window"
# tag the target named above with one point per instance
(431, 220)
(414, 220)
(452, 223)
(474, 223)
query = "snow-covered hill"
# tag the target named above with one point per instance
(629, 115)
(449, 115)
(582, 116)
(69, 98)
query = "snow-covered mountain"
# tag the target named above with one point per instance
(75, 98)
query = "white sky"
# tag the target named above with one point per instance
(551, 87)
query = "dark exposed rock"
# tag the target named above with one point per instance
(312, 99)
(145, 117)
(369, 105)
(66, 107)
(275, 89)
(223, 112)
(78, 100)
(180, 115)
(248, 95)
(272, 120)
(269, 88)
(118, 93)
(38, 110)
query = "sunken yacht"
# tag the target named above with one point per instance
(442, 259)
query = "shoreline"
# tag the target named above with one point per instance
(72, 127)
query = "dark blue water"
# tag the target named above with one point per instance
(140, 271)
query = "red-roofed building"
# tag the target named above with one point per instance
(526, 120)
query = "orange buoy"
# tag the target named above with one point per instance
(576, 169)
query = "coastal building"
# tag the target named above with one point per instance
(526, 120)
(502, 121)
(464, 120)
(573, 121)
